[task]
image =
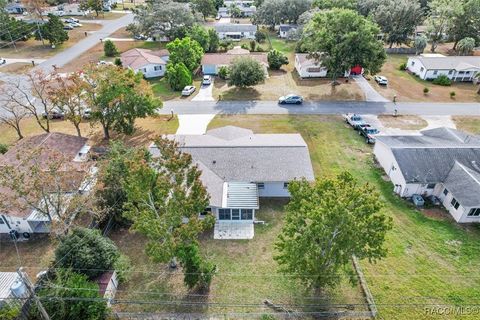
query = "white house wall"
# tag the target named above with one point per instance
(415, 66)
(274, 190)
(150, 72)
(386, 159)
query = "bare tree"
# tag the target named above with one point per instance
(32, 96)
(13, 116)
(68, 94)
(48, 183)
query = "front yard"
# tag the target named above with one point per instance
(408, 87)
(35, 49)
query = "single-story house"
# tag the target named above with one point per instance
(151, 63)
(238, 3)
(212, 62)
(12, 290)
(284, 30)
(107, 285)
(224, 12)
(442, 162)
(78, 177)
(456, 68)
(309, 68)
(235, 31)
(239, 167)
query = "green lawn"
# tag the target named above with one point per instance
(285, 46)
(162, 89)
(431, 260)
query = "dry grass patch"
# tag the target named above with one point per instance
(17, 67)
(146, 130)
(121, 33)
(404, 122)
(35, 49)
(469, 124)
(35, 254)
(283, 82)
(408, 87)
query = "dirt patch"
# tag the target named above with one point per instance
(436, 213)
(121, 33)
(17, 67)
(404, 122)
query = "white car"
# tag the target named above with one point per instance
(188, 90)
(76, 24)
(2, 61)
(207, 80)
(104, 63)
(71, 20)
(381, 80)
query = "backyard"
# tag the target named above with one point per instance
(408, 87)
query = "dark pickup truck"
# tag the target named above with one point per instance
(369, 133)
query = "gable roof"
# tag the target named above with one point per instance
(435, 154)
(137, 58)
(305, 61)
(458, 63)
(464, 184)
(232, 154)
(234, 27)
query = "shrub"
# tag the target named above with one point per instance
(123, 266)
(3, 148)
(110, 49)
(260, 36)
(426, 90)
(118, 61)
(246, 72)
(178, 76)
(223, 72)
(245, 46)
(452, 94)
(442, 80)
(403, 67)
(96, 253)
(253, 45)
(276, 59)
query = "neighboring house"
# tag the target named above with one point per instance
(234, 31)
(151, 63)
(78, 177)
(224, 12)
(309, 68)
(285, 30)
(442, 162)
(238, 3)
(12, 290)
(107, 285)
(240, 167)
(212, 62)
(456, 68)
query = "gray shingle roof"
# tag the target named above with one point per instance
(287, 27)
(464, 184)
(450, 62)
(232, 154)
(440, 155)
(235, 27)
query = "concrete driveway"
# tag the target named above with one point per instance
(193, 123)
(205, 93)
(370, 93)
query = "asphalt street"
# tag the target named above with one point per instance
(320, 107)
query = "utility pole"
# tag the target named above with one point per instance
(31, 291)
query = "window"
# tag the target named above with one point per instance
(1, 220)
(435, 72)
(223, 214)
(445, 191)
(467, 72)
(260, 185)
(413, 63)
(247, 214)
(157, 68)
(235, 214)
(285, 185)
(461, 72)
(474, 212)
(455, 203)
(314, 69)
(450, 72)
(421, 69)
(430, 185)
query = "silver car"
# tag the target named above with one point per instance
(290, 99)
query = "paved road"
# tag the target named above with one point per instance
(327, 107)
(64, 57)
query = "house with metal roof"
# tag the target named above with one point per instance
(239, 168)
(456, 68)
(442, 162)
(235, 31)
